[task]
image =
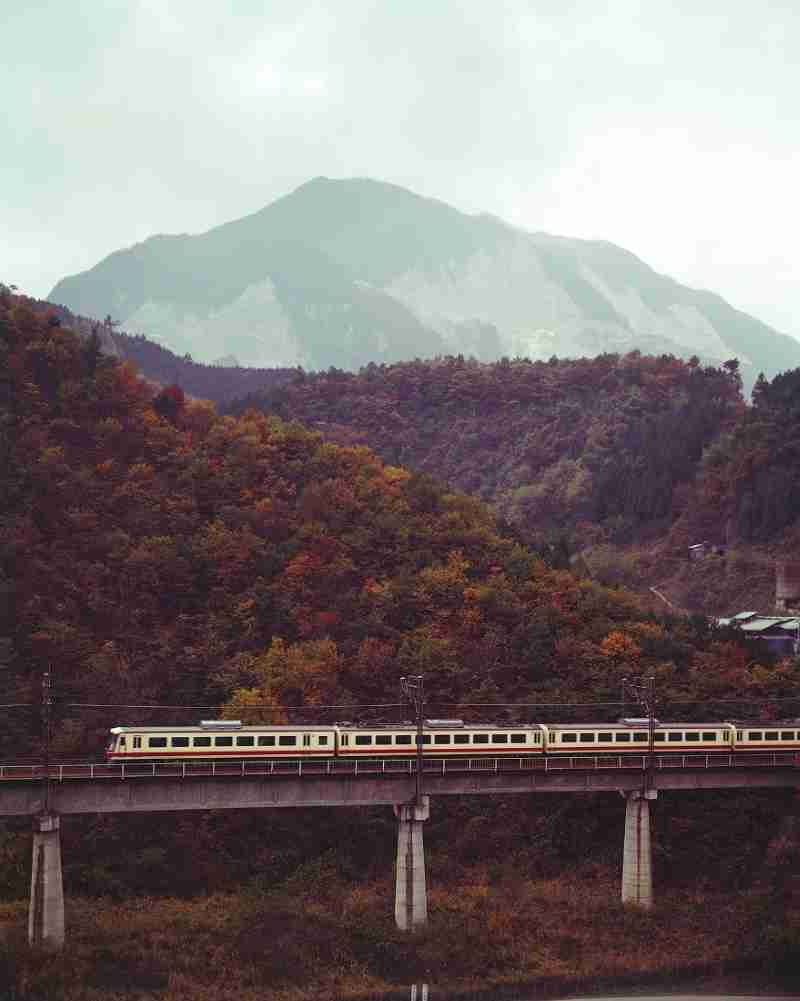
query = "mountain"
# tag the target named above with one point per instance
(344, 272)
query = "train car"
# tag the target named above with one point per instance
(440, 738)
(633, 736)
(767, 736)
(219, 740)
(445, 738)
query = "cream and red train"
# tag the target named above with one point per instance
(230, 739)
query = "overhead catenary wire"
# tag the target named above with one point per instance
(351, 707)
(618, 702)
(253, 705)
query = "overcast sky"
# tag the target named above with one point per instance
(670, 128)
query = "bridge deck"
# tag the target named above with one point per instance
(390, 766)
(145, 787)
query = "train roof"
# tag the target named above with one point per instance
(241, 728)
(638, 724)
(234, 726)
(439, 724)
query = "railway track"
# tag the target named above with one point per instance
(336, 768)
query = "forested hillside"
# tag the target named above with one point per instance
(621, 463)
(152, 552)
(218, 383)
(592, 449)
(749, 483)
(744, 501)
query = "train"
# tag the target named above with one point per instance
(441, 738)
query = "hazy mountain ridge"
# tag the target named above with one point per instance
(344, 272)
(220, 382)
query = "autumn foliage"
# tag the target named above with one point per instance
(153, 552)
(595, 449)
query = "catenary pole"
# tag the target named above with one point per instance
(413, 687)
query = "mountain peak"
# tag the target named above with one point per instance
(343, 271)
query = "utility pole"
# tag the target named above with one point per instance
(645, 694)
(47, 703)
(413, 687)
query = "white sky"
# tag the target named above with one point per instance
(671, 129)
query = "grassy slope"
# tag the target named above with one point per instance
(517, 895)
(741, 580)
(554, 935)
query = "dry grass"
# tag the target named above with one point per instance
(295, 946)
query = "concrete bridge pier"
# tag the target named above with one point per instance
(411, 895)
(46, 911)
(637, 868)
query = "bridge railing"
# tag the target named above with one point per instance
(388, 767)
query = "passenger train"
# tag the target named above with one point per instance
(441, 738)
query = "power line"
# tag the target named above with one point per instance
(764, 700)
(589, 705)
(525, 705)
(254, 705)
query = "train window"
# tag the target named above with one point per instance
(658, 738)
(771, 735)
(402, 738)
(362, 739)
(692, 736)
(587, 738)
(726, 736)
(157, 741)
(622, 738)
(755, 735)
(740, 735)
(245, 741)
(709, 735)
(518, 738)
(640, 738)
(460, 738)
(480, 738)
(265, 740)
(180, 741)
(287, 741)
(223, 742)
(537, 738)
(201, 741)
(345, 739)
(306, 740)
(499, 738)
(322, 739)
(383, 739)
(137, 742)
(442, 738)
(785, 735)
(674, 737)
(569, 738)
(426, 738)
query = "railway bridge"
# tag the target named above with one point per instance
(48, 793)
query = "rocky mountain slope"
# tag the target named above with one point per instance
(344, 272)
